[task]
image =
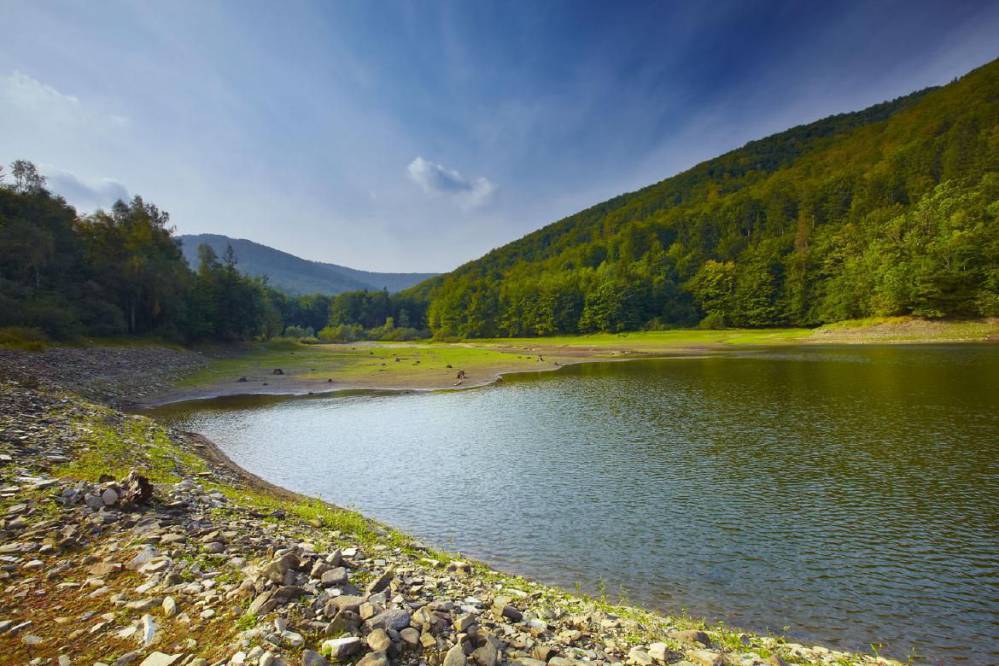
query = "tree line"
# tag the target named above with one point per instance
(121, 272)
(893, 210)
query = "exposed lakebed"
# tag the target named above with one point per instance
(845, 495)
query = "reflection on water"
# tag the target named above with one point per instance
(849, 494)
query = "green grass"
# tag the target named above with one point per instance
(135, 443)
(367, 363)
(664, 340)
(908, 329)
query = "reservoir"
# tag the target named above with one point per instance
(846, 496)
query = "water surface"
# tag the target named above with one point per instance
(846, 496)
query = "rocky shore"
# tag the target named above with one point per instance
(206, 564)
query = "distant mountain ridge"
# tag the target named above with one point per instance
(294, 275)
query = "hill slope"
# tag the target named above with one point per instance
(295, 275)
(887, 211)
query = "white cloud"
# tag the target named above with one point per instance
(85, 196)
(31, 104)
(438, 180)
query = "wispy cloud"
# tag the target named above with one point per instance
(85, 196)
(437, 180)
(29, 100)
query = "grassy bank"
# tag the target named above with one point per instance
(435, 365)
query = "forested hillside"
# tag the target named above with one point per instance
(121, 272)
(294, 275)
(891, 210)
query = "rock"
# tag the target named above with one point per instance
(312, 658)
(142, 558)
(511, 613)
(659, 652)
(159, 659)
(639, 657)
(705, 658)
(379, 641)
(148, 626)
(463, 622)
(543, 652)
(341, 648)
(169, 607)
(263, 603)
(373, 659)
(410, 635)
(293, 638)
(346, 602)
(337, 576)
(214, 547)
(488, 654)
(381, 582)
(455, 656)
(102, 569)
(64, 660)
(109, 497)
(129, 657)
(691, 636)
(393, 618)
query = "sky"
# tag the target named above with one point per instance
(416, 136)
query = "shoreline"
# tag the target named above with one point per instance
(229, 476)
(528, 622)
(305, 388)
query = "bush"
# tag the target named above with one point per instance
(342, 333)
(22, 337)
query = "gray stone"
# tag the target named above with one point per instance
(659, 652)
(511, 613)
(346, 602)
(380, 583)
(341, 648)
(691, 636)
(379, 641)
(160, 659)
(705, 658)
(393, 618)
(169, 607)
(639, 657)
(313, 658)
(455, 656)
(373, 659)
(337, 576)
(488, 654)
(109, 496)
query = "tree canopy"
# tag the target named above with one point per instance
(887, 211)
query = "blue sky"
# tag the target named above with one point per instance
(419, 135)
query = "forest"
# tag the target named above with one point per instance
(121, 273)
(893, 210)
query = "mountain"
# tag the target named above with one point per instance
(294, 275)
(890, 210)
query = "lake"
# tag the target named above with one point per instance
(847, 496)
